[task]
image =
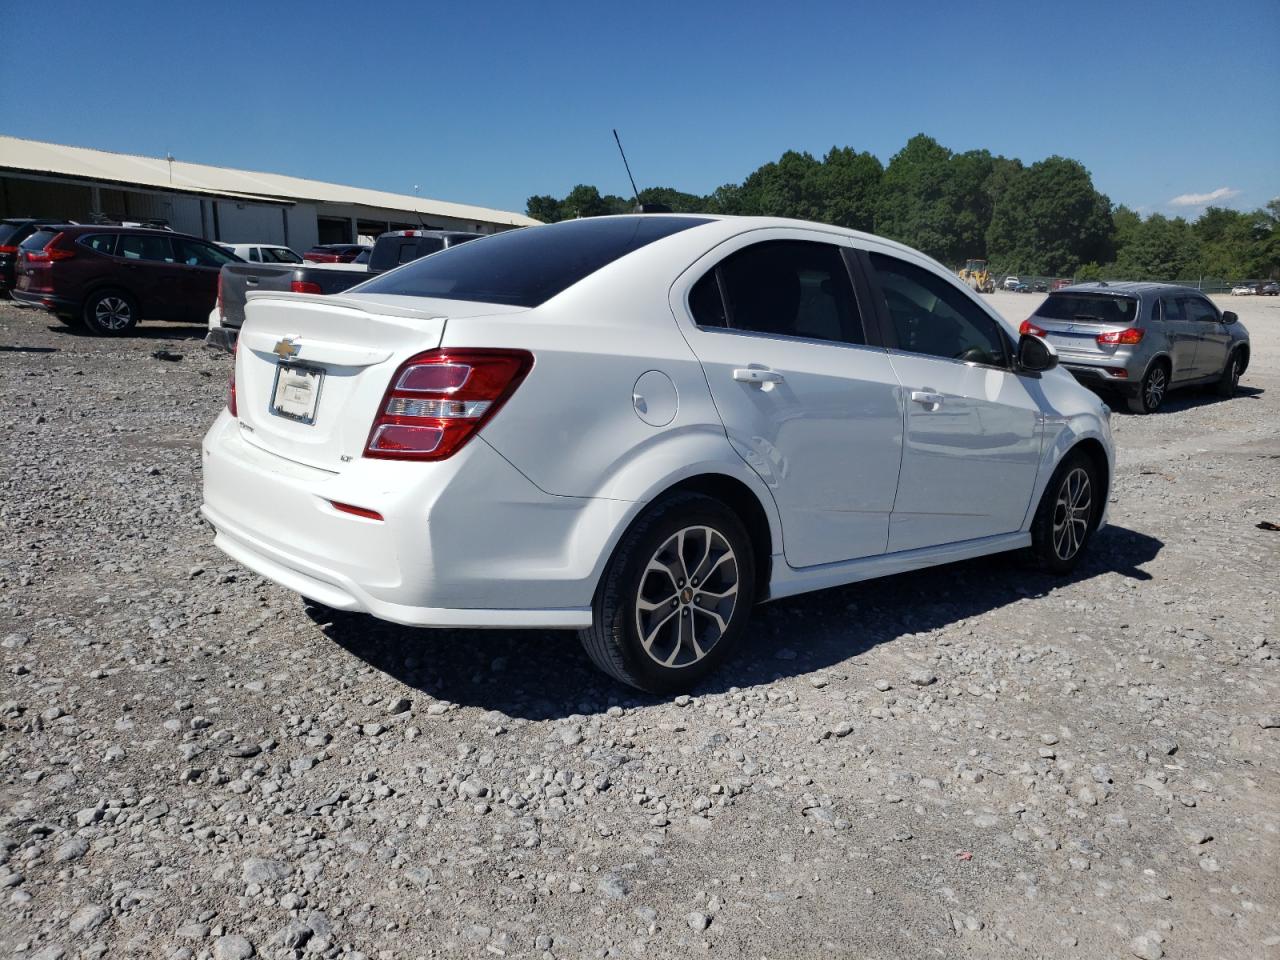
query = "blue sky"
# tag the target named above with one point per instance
(489, 103)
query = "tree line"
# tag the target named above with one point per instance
(1039, 219)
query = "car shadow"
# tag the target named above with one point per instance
(544, 674)
(1184, 399)
(147, 330)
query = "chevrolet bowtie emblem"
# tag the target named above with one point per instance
(286, 348)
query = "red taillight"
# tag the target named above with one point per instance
(356, 511)
(305, 286)
(4, 248)
(439, 399)
(1130, 336)
(50, 252)
(231, 382)
(1031, 328)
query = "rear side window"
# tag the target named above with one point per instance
(138, 246)
(529, 266)
(792, 288)
(254, 255)
(706, 304)
(38, 240)
(457, 238)
(1088, 308)
(101, 242)
(930, 316)
(279, 255)
(1172, 308)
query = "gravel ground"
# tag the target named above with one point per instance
(975, 760)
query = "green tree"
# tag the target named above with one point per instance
(849, 187)
(1160, 249)
(1050, 220)
(543, 207)
(677, 200)
(932, 200)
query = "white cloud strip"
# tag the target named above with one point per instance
(1203, 199)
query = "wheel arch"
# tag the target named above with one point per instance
(1092, 448)
(1242, 350)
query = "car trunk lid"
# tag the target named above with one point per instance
(312, 371)
(1072, 322)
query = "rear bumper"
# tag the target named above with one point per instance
(468, 542)
(24, 298)
(1094, 375)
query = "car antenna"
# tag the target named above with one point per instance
(634, 192)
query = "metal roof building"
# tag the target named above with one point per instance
(218, 203)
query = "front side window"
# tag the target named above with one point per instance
(791, 288)
(932, 317)
(143, 246)
(1200, 310)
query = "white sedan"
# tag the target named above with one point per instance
(262, 252)
(1244, 290)
(641, 426)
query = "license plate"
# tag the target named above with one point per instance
(296, 392)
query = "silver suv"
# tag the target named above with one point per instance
(1143, 339)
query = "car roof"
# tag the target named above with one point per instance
(83, 228)
(1127, 287)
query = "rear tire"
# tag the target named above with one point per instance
(1067, 515)
(1152, 390)
(110, 313)
(684, 576)
(1230, 378)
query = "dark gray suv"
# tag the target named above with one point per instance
(1143, 339)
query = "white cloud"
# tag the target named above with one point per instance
(1203, 199)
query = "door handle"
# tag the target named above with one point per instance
(926, 398)
(756, 375)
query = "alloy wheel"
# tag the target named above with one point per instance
(1153, 392)
(1071, 513)
(687, 596)
(113, 313)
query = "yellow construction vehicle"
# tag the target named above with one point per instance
(976, 275)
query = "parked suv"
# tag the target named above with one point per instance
(12, 232)
(1143, 339)
(638, 426)
(398, 247)
(109, 278)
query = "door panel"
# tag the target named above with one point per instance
(820, 422)
(1182, 335)
(970, 460)
(1211, 337)
(149, 272)
(973, 428)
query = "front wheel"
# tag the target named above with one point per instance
(675, 596)
(1230, 378)
(110, 313)
(1068, 512)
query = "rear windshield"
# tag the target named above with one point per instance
(7, 230)
(529, 266)
(1088, 308)
(39, 240)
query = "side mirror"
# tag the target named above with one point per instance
(1036, 355)
(1229, 317)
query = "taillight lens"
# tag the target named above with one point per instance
(440, 399)
(1031, 328)
(1111, 338)
(231, 382)
(50, 252)
(5, 248)
(305, 286)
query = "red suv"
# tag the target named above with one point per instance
(335, 252)
(109, 278)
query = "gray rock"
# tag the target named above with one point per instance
(73, 849)
(232, 947)
(698, 921)
(1146, 948)
(613, 886)
(264, 872)
(87, 919)
(922, 678)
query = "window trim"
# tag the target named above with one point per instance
(890, 332)
(870, 332)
